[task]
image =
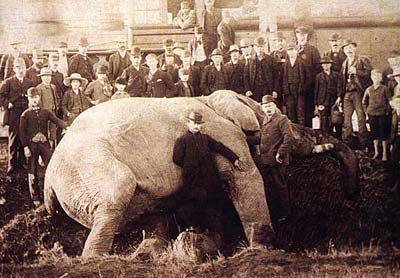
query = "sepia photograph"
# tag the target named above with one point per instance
(199, 138)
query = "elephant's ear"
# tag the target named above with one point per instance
(227, 104)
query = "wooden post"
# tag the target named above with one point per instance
(267, 19)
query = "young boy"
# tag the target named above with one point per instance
(120, 84)
(293, 78)
(183, 87)
(376, 105)
(197, 50)
(186, 17)
(325, 92)
(74, 101)
(99, 90)
(50, 100)
(159, 83)
(194, 72)
(33, 131)
(214, 76)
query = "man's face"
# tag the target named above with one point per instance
(269, 109)
(120, 87)
(217, 59)
(198, 36)
(184, 77)
(152, 63)
(185, 9)
(75, 84)
(259, 50)
(292, 53)
(62, 51)
(168, 49)
(235, 56)
(194, 127)
(334, 45)
(102, 76)
(20, 71)
(247, 50)
(53, 64)
(279, 43)
(349, 50)
(38, 61)
(82, 49)
(376, 77)
(186, 61)
(34, 100)
(122, 46)
(209, 3)
(136, 61)
(301, 38)
(46, 79)
(326, 67)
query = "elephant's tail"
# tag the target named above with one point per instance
(50, 200)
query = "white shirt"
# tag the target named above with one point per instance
(199, 55)
(63, 65)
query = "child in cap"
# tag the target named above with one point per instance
(376, 105)
(120, 84)
(186, 17)
(325, 92)
(33, 132)
(74, 101)
(183, 87)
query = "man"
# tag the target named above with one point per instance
(7, 61)
(280, 56)
(33, 130)
(186, 17)
(13, 98)
(63, 59)
(194, 72)
(57, 77)
(99, 90)
(226, 34)
(33, 72)
(169, 61)
(81, 63)
(336, 53)
(209, 20)
(197, 50)
(354, 79)
(247, 50)
(159, 83)
(275, 140)
(214, 76)
(193, 152)
(136, 75)
(118, 61)
(235, 69)
(311, 58)
(260, 78)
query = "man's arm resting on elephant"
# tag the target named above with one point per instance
(220, 148)
(60, 123)
(254, 139)
(179, 152)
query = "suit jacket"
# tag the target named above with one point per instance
(194, 79)
(268, 67)
(117, 64)
(209, 79)
(49, 100)
(311, 58)
(337, 58)
(33, 75)
(299, 63)
(7, 64)
(136, 80)
(161, 60)
(209, 22)
(325, 90)
(226, 35)
(235, 76)
(362, 78)
(160, 85)
(97, 91)
(68, 105)
(180, 89)
(58, 81)
(83, 66)
(192, 47)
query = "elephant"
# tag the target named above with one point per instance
(115, 162)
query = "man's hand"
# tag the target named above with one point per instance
(10, 105)
(338, 101)
(274, 94)
(321, 107)
(27, 151)
(278, 158)
(239, 165)
(249, 94)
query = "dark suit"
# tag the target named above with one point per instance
(171, 69)
(182, 91)
(82, 65)
(160, 85)
(136, 80)
(12, 91)
(33, 74)
(337, 58)
(73, 104)
(7, 64)
(117, 64)
(195, 79)
(209, 21)
(235, 76)
(280, 57)
(213, 80)
(260, 77)
(58, 81)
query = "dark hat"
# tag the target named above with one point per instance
(259, 41)
(33, 91)
(278, 36)
(186, 53)
(136, 52)
(326, 60)
(233, 48)
(348, 42)
(245, 42)
(334, 37)
(102, 69)
(45, 72)
(291, 45)
(267, 99)
(168, 43)
(54, 56)
(195, 117)
(83, 42)
(198, 29)
(216, 52)
(19, 62)
(121, 80)
(302, 30)
(62, 45)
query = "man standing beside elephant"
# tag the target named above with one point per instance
(275, 140)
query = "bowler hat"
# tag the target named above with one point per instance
(334, 37)
(136, 52)
(233, 48)
(259, 41)
(121, 80)
(348, 42)
(83, 42)
(326, 60)
(245, 42)
(168, 43)
(102, 69)
(75, 76)
(278, 36)
(267, 99)
(302, 30)
(198, 29)
(216, 52)
(195, 117)
(62, 45)
(45, 72)
(33, 91)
